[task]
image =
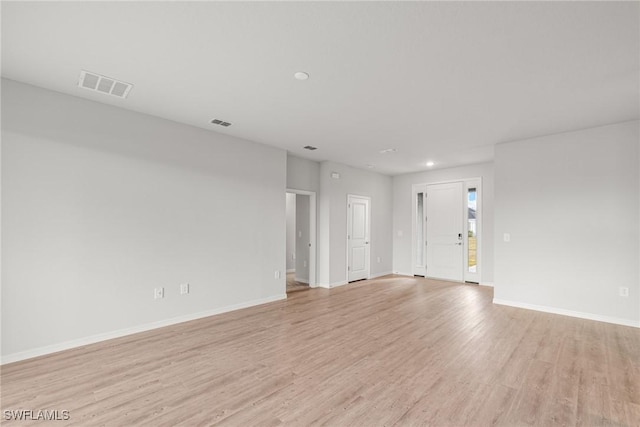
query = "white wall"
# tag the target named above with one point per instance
(333, 220)
(570, 203)
(402, 213)
(291, 231)
(101, 205)
(302, 237)
(303, 174)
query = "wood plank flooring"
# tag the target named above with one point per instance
(390, 351)
(294, 286)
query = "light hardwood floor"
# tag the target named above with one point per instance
(391, 351)
(295, 286)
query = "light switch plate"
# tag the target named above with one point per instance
(184, 288)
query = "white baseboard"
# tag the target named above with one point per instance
(490, 284)
(305, 281)
(400, 273)
(344, 282)
(376, 275)
(54, 348)
(578, 314)
(333, 285)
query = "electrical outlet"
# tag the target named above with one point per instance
(304, 263)
(507, 237)
(184, 288)
(277, 274)
(158, 293)
(623, 292)
(379, 259)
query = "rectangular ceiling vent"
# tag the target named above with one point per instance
(310, 147)
(106, 85)
(220, 123)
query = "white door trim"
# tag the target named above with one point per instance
(368, 233)
(313, 282)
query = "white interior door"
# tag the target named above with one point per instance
(358, 222)
(444, 223)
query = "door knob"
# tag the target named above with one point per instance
(366, 243)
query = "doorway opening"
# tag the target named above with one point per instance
(300, 240)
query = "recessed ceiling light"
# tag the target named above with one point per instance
(301, 75)
(430, 163)
(388, 150)
(370, 166)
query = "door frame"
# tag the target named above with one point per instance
(349, 195)
(313, 282)
(466, 184)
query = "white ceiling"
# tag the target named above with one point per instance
(442, 81)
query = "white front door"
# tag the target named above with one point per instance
(358, 221)
(444, 223)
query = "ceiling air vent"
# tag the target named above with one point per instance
(106, 85)
(220, 122)
(310, 147)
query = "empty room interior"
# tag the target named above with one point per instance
(320, 213)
